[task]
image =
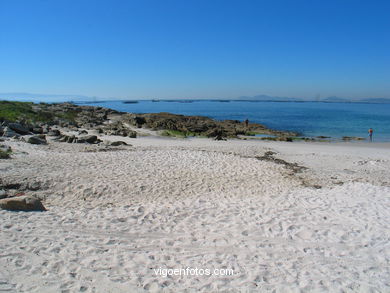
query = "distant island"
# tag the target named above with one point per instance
(55, 98)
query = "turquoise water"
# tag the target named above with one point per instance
(309, 118)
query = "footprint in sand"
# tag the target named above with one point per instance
(304, 234)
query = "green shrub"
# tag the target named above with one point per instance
(4, 154)
(17, 111)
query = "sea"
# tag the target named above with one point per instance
(309, 119)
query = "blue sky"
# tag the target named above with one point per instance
(196, 49)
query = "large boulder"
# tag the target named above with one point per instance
(8, 132)
(22, 203)
(118, 143)
(88, 139)
(37, 139)
(18, 128)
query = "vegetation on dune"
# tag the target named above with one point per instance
(30, 112)
(17, 111)
(5, 154)
(14, 110)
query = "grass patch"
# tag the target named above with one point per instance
(5, 154)
(14, 110)
(18, 111)
(30, 112)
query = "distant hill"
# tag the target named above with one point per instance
(269, 98)
(28, 97)
(376, 100)
(332, 99)
(335, 100)
(55, 98)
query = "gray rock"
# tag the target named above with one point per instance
(22, 203)
(83, 131)
(71, 139)
(37, 130)
(18, 128)
(8, 132)
(88, 139)
(132, 134)
(3, 194)
(36, 140)
(67, 138)
(54, 132)
(118, 143)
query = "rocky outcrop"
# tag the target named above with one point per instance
(38, 139)
(91, 139)
(18, 128)
(97, 120)
(8, 132)
(349, 138)
(22, 203)
(118, 128)
(197, 125)
(87, 139)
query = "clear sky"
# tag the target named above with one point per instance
(196, 48)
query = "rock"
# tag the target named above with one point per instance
(118, 143)
(22, 203)
(83, 132)
(18, 128)
(67, 138)
(348, 138)
(88, 139)
(71, 139)
(8, 132)
(3, 194)
(37, 130)
(132, 134)
(217, 134)
(54, 132)
(37, 140)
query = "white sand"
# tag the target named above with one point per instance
(116, 217)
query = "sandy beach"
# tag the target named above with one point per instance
(190, 215)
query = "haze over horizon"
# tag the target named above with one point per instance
(195, 49)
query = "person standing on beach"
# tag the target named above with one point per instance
(246, 123)
(370, 131)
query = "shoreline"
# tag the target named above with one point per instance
(193, 125)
